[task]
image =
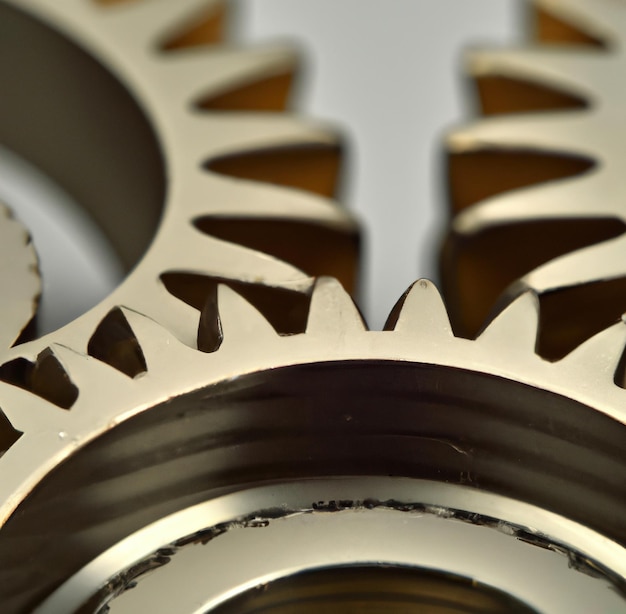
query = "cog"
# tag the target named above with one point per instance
(338, 400)
(228, 389)
(19, 277)
(538, 180)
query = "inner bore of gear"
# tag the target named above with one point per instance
(224, 417)
(64, 112)
(323, 420)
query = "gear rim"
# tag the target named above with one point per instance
(337, 521)
(417, 338)
(333, 329)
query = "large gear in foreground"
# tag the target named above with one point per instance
(265, 449)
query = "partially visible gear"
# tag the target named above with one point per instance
(223, 430)
(555, 118)
(171, 141)
(19, 278)
(259, 431)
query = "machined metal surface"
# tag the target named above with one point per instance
(536, 183)
(229, 392)
(256, 525)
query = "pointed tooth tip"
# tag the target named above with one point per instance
(332, 308)
(325, 281)
(469, 221)
(478, 61)
(424, 284)
(522, 299)
(325, 286)
(419, 308)
(286, 49)
(458, 140)
(59, 350)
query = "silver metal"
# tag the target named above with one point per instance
(193, 395)
(275, 531)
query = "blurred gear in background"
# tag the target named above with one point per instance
(536, 185)
(222, 433)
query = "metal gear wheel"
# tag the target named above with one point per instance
(265, 450)
(538, 181)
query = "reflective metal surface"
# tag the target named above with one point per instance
(536, 184)
(229, 387)
(253, 538)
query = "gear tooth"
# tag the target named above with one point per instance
(493, 156)
(514, 327)
(171, 25)
(46, 378)
(309, 166)
(563, 199)
(598, 261)
(258, 79)
(240, 321)
(557, 134)
(83, 368)
(598, 358)
(264, 201)
(534, 79)
(19, 274)
(230, 79)
(234, 261)
(160, 348)
(202, 24)
(292, 242)
(577, 22)
(332, 311)
(542, 62)
(233, 135)
(28, 412)
(420, 310)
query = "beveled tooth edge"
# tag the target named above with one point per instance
(420, 311)
(240, 320)
(516, 327)
(161, 349)
(332, 311)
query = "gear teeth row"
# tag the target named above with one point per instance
(539, 181)
(233, 297)
(139, 357)
(19, 274)
(250, 194)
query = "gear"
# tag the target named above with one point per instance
(542, 188)
(19, 273)
(267, 433)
